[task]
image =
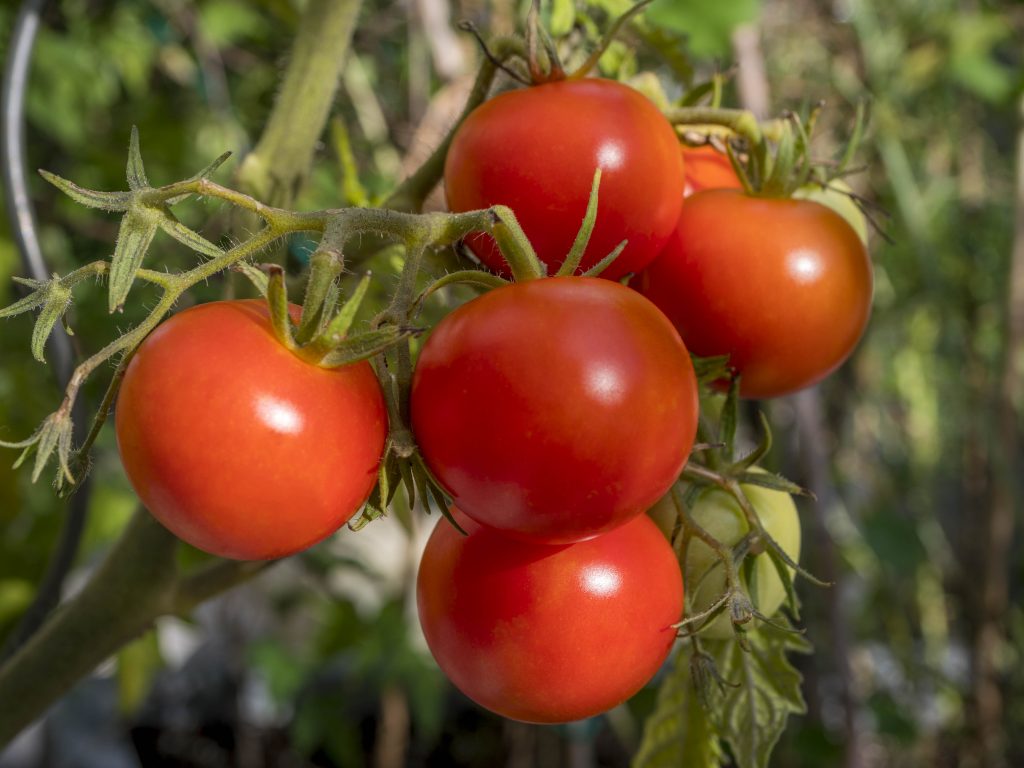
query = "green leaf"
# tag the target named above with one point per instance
(679, 731)
(563, 15)
(137, 230)
(708, 24)
(752, 716)
(137, 666)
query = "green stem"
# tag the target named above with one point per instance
(133, 586)
(410, 194)
(280, 163)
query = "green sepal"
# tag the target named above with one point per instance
(366, 345)
(762, 449)
(136, 172)
(338, 327)
(188, 237)
(30, 302)
(106, 201)
(464, 276)
(53, 436)
(138, 227)
(603, 264)
(773, 482)
(277, 302)
(58, 299)
(203, 174)
(255, 275)
(579, 245)
(326, 265)
(710, 369)
(730, 418)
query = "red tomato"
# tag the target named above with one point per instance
(549, 634)
(707, 168)
(536, 150)
(237, 445)
(781, 286)
(555, 409)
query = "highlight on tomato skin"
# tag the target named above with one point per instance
(549, 634)
(237, 445)
(782, 286)
(536, 149)
(555, 409)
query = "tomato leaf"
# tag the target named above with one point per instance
(752, 716)
(679, 731)
(708, 24)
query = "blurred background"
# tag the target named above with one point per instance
(913, 448)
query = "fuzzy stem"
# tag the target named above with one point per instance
(277, 167)
(132, 587)
(410, 194)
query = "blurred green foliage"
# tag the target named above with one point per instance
(910, 420)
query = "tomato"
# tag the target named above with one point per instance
(237, 445)
(837, 197)
(719, 514)
(555, 409)
(536, 150)
(549, 634)
(781, 286)
(707, 168)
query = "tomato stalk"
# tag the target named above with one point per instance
(334, 225)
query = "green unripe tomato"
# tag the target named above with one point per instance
(836, 197)
(719, 514)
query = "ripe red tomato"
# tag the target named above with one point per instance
(555, 409)
(237, 445)
(707, 168)
(549, 634)
(536, 150)
(781, 286)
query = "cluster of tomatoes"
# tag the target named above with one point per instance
(554, 411)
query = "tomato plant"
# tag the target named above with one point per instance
(545, 633)
(718, 513)
(555, 409)
(236, 444)
(536, 150)
(782, 286)
(707, 168)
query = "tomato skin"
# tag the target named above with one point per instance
(555, 409)
(781, 286)
(718, 513)
(549, 634)
(707, 168)
(536, 150)
(238, 446)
